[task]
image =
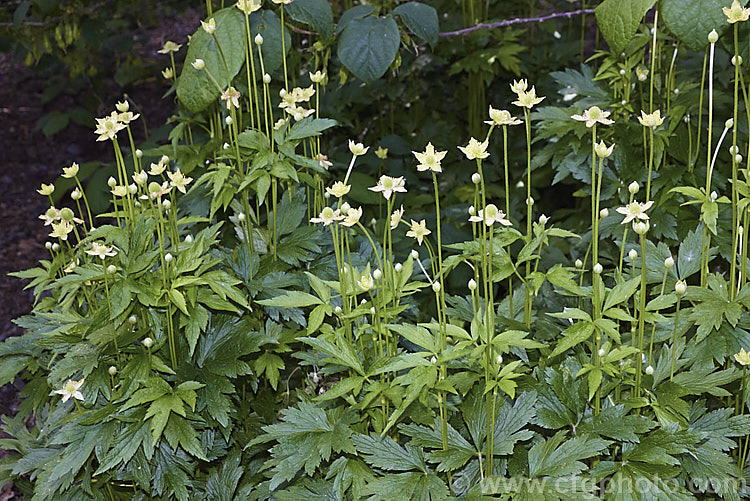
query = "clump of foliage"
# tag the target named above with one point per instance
(265, 313)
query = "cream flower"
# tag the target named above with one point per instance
(126, 117)
(101, 251)
(593, 116)
(602, 151)
(742, 357)
(210, 26)
(157, 169)
(318, 76)
(61, 230)
(396, 217)
(366, 282)
(502, 117)
(490, 215)
(119, 191)
(651, 119)
(387, 185)
(167, 73)
(232, 97)
(736, 12)
(352, 216)
(156, 190)
(169, 46)
(179, 180)
(71, 389)
(430, 159)
(357, 149)
(71, 171)
(381, 153)
(198, 64)
(418, 230)
(108, 127)
(327, 216)
(248, 6)
(323, 161)
(475, 149)
(528, 99)
(46, 189)
(635, 211)
(50, 216)
(338, 189)
(519, 86)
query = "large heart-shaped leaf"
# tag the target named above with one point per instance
(194, 87)
(421, 19)
(618, 20)
(368, 46)
(316, 13)
(692, 20)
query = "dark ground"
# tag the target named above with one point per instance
(28, 158)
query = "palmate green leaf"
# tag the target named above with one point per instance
(170, 472)
(309, 127)
(619, 20)
(368, 46)
(179, 432)
(713, 471)
(557, 457)
(621, 292)
(194, 88)
(223, 481)
(349, 473)
(270, 365)
(386, 454)
(704, 380)
(292, 299)
(129, 439)
(342, 352)
(720, 427)
(413, 486)
(417, 335)
(573, 335)
(459, 450)
(416, 380)
(614, 422)
(511, 422)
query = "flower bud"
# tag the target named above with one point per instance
(258, 39)
(199, 64)
(112, 370)
(132, 189)
(111, 269)
(414, 254)
(729, 123)
(167, 204)
(132, 320)
(189, 239)
(266, 78)
(476, 178)
(75, 194)
(111, 182)
(372, 310)
(122, 107)
(713, 37)
(241, 217)
(436, 286)
(48, 245)
(148, 342)
(168, 257)
(520, 184)
(138, 153)
(641, 227)
(337, 310)
(377, 274)
(66, 214)
(543, 219)
(228, 120)
(680, 287)
(633, 254)
(622, 72)
(530, 201)
(649, 370)
(578, 263)
(345, 207)
(472, 284)
(734, 61)
(669, 262)
(55, 247)
(601, 352)
(714, 196)
(472, 210)
(604, 213)
(398, 267)
(598, 268)
(633, 188)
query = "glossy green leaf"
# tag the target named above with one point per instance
(368, 46)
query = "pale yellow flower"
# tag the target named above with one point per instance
(71, 389)
(475, 149)
(430, 159)
(50, 216)
(101, 251)
(61, 230)
(323, 161)
(210, 26)
(46, 189)
(519, 86)
(396, 217)
(119, 191)
(71, 171)
(742, 357)
(357, 149)
(318, 76)
(167, 73)
(108, 127)
(156, 190)
(502, 117)
(169, 46)
(366, 282)
(387, 185)
(593, 116)
(352, 216)
(327, 216)
(157, 169)
(651, 119)
(381, 153)
(528, 99)
(418, 230)
(736, 12)
(179, 180)
(602, 151)
(248, 6)
(635, 211)
(338, 189)
(490, 215)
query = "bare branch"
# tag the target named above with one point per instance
(518, 20)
